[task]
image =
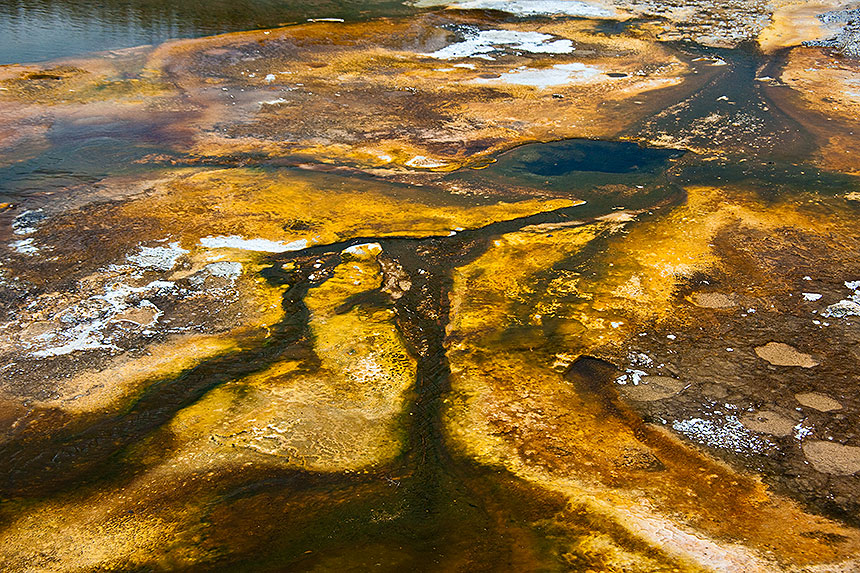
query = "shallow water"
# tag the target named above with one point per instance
(565, 157)
(37, 30)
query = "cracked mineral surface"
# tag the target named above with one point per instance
(539, 285)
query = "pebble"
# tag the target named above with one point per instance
(769, 422)
(651, 388)
(817, 401)
(712, 300)
(781, 354)
(834, 459)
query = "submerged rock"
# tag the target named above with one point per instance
(652, 388)
(830, 458)
(820, 402)
(769, 422)
(713, 300)
(781, 354)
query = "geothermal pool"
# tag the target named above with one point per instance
(476, 286)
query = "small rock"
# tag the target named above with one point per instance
(780, 354)
(36, 329)
(638, 459)
(143, 316)
(818, 401)
(830, 458)
(842, 309)
(651, 388)
(712, 300)
(769, 422)
(26, 222)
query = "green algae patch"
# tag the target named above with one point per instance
(77, 85)
(501, 303)
(342, 415)
(303, 209)
(526, 400)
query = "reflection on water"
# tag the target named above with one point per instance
(78, 153)
(66, 166)
(36, 30)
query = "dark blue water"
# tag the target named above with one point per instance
(564, 157)
(606, 174)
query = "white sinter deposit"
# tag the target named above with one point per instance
(482, 43)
